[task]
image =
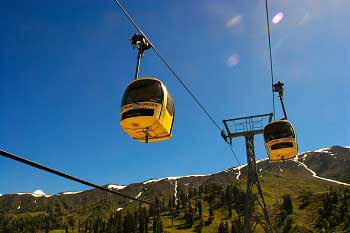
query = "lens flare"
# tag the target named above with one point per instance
(305, 18)
(278, 18)
(233, 60)
(233, 21)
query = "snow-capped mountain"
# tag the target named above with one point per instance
(310, 170)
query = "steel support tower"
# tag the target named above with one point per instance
(248, 127)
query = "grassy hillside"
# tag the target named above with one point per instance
(316, 204)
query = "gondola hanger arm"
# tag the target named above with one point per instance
(278, 87)
(142, 44)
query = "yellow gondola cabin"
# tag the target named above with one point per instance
(280, 141)
(147, 111)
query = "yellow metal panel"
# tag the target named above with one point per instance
(283, 154)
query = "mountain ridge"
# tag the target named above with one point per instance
(302, 159)
(307, 180)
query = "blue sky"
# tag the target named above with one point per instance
(65, 65)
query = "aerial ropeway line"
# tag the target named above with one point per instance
(69, 177)
(279, 135)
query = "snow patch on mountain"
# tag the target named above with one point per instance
(153, 180)
(238, 168)
(244, 165)
(326, 149)
(314, 174)
(70, 193)
(139, 195)
(0, 194)
(172, 178)
(175, 192)
(179, 177)
(262, 160)
(115, 186)
(238, 174)
(227, 170)
(36, 193)
(39, 193)
(301, 156)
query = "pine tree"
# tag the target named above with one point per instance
(154, 226)
(195, 192)
(163, 204)
(200, 226)
(288, 226)
(200, 208)
(190, 209)
(171, 202)
(287, 204)
(141, 227)
(221, 228)
(200, 190)
(237, 226)
(190, 193)
(226, 228)
(160, 225)
(211, 211)
(71, 222)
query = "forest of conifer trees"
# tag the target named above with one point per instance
(192, 212)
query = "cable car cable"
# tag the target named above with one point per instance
(69, 177)
(272, 82)
(271, 63)
(288, 147)
(272, 89)
(168, 65)
(234, 154)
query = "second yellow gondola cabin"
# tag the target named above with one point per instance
(280, 141)
(147, 110)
